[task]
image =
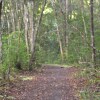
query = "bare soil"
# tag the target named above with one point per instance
(52, 83)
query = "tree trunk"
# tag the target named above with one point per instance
(60, 45)
(85, 29)
(0, 34)
(31, 33)
(13, 16)
(0, 9)
(34, 34)
(64, 6)
(26, 20)
(58, 34)
(0, 48)
(92, 35)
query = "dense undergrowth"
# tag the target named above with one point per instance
(89, 83)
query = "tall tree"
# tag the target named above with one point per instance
(92, 34)
(26, 21)
(0, 32)
(58, 32)
(0, 8)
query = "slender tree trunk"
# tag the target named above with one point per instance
(64, 6)
(60, 45)
(31, 26)
(0, 9)
(85, 29)
(40, 18)
(18, 8)
(34, 35)
(58, 34)
(0, 34)
(26, 20)
(0, 47)
(13, 16)
(85, 39)
(92, 35)
(31, 33)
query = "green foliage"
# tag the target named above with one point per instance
(91, 89)
(14, 50)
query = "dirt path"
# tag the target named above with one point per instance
(53, 83)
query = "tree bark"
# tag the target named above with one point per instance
(31, 33)
(92, 35)
(34, 35)
(0, 9)
(13, 15)
(0, 34)
(26, 20)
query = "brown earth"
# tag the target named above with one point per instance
(52, 83)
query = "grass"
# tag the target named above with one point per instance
(91, 91)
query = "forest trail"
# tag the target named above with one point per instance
(53, 83)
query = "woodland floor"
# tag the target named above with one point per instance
(52, 83)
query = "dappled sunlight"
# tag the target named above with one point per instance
(26, 78)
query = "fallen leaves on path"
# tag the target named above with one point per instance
(53, 83)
